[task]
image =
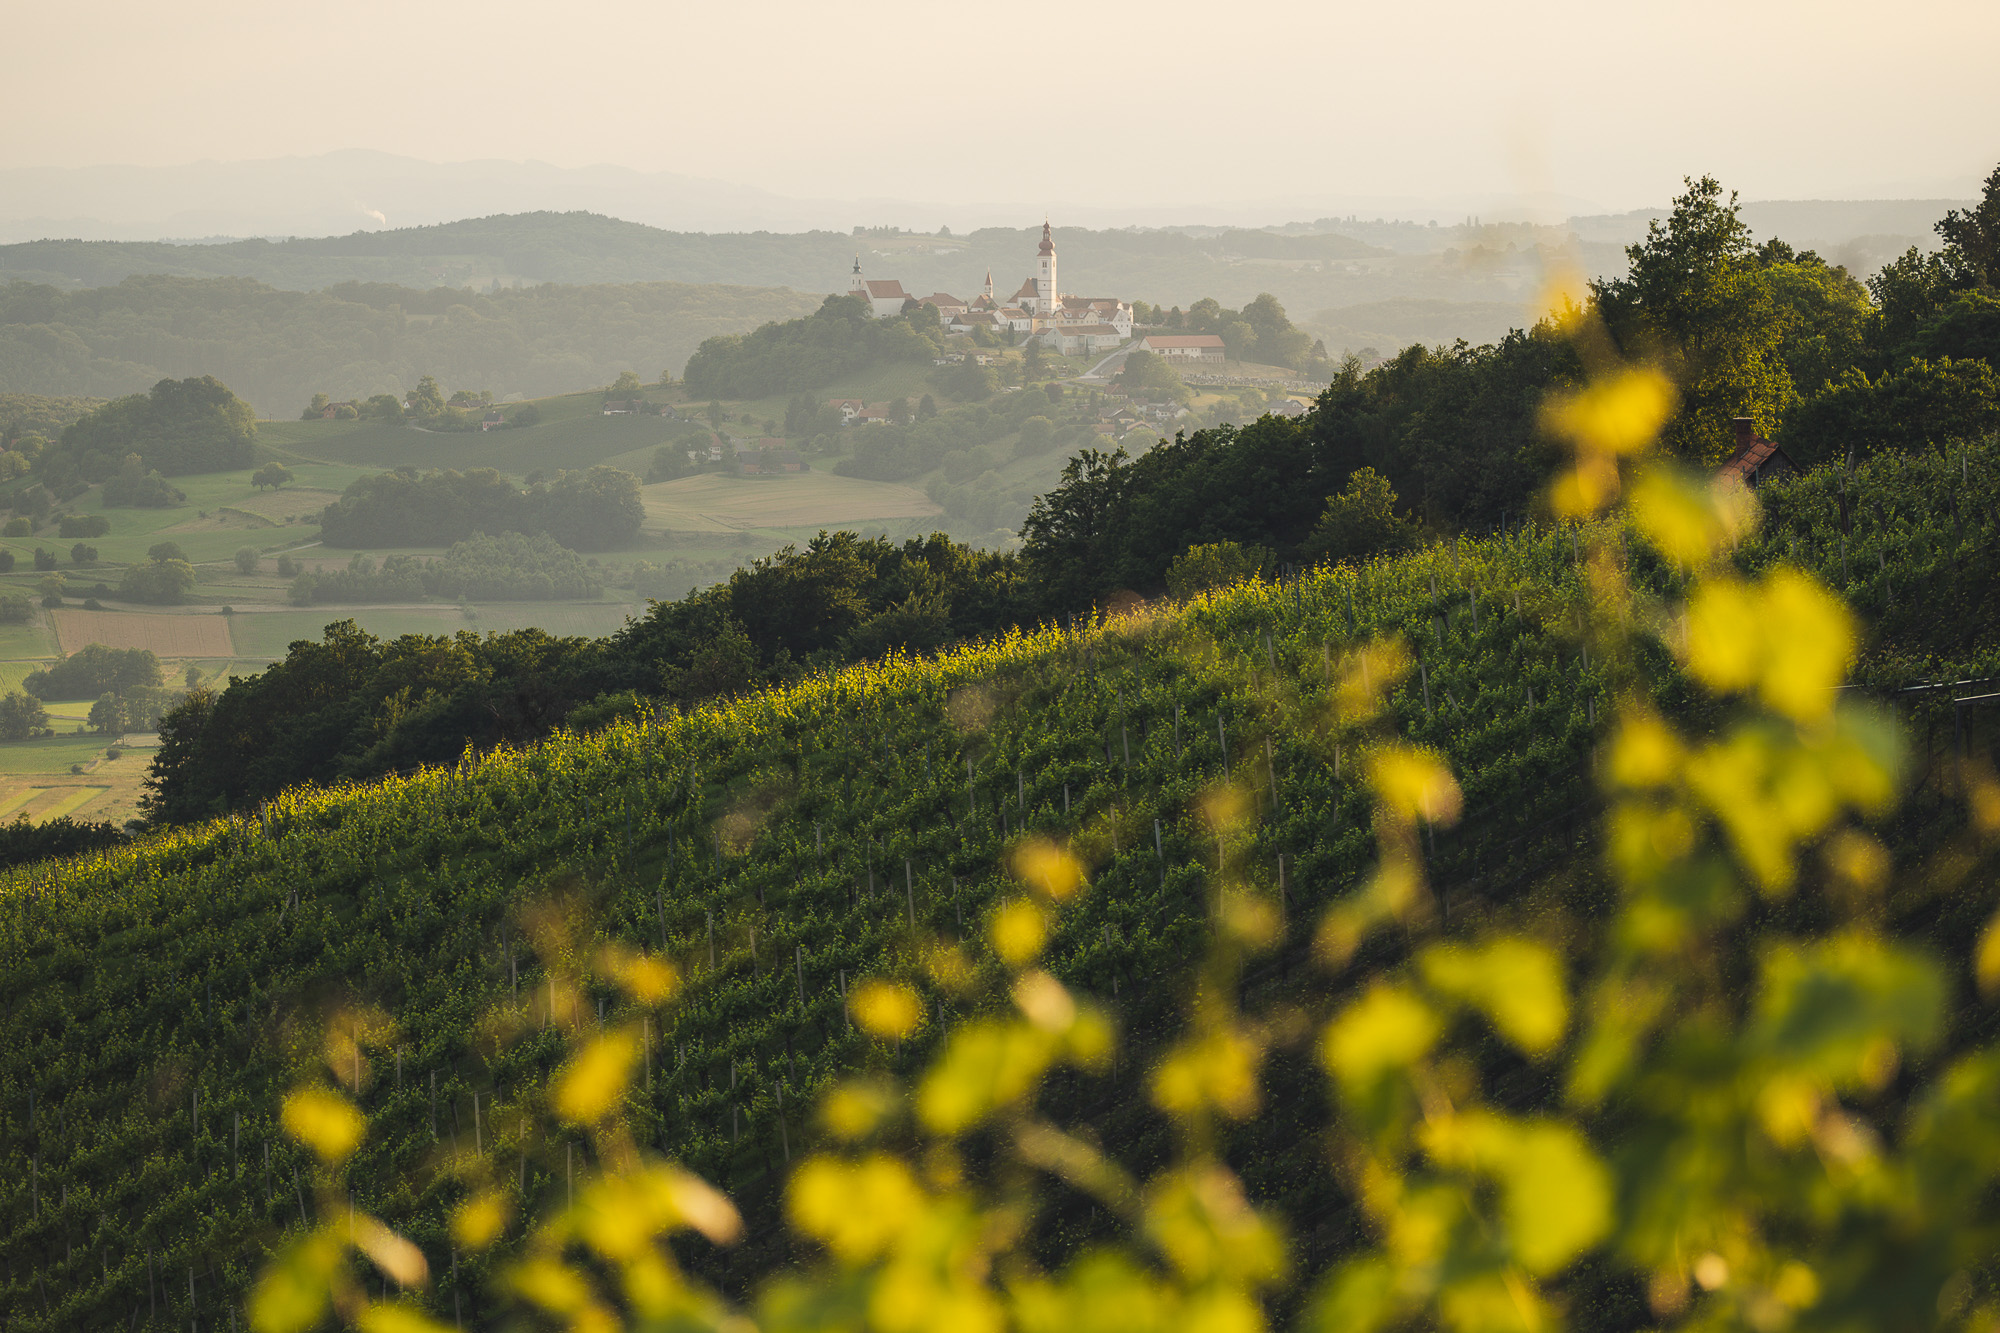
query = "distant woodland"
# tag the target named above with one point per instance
(278, 348)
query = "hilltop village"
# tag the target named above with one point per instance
(1071, 325)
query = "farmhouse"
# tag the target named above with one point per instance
(1184, 346)
(1756, 460)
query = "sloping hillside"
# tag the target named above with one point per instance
(779, 848)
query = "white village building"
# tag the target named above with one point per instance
(1038, 307)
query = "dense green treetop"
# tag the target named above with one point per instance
(589, 510)
(180, 427)
(839, 338)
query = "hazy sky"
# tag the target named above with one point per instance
(1117, 103)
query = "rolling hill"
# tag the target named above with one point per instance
(782, 846)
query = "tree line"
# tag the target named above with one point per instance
(589, 510)
(510, 566)
(1433, 442)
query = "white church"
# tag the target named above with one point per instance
(1072, 324)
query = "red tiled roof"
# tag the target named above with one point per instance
(1749, 459)
(882, 289)
(1183, 340)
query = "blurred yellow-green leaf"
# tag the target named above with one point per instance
(1019, 930)
(1556, 1195)
(478, 1221)
(886, 1009)
(589, 1086)
(1517, 983)
(856, 1209)
(1387, 1030)
(294, 1290)
(325, 1122)
(986, 1065)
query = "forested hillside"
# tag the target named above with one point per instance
(278, 348)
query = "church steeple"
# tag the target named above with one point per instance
(1046, 295)
(987, 290)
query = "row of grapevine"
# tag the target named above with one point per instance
(156, 1000)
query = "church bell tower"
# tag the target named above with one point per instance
(1045, 272)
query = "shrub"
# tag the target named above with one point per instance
(162, 582)
(20, 526)
(83, 525)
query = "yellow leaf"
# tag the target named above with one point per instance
(986, 1065)
(1555, 1194)
(1517, 983)
(1019, 930)
(856, 1209)
(886, 1009)
(1215, 1071)
(1810, 641)
(1199, 1219)
(293, 1291)
(1386, 1030)
(651, 980)
(1645, 752)
(703, 1207)
(389, 1252)
(854, 1107)
(589, 1086)
(1725, 641)
(325, 1122)
(478, 1222)
(1044, 1001)
(1048, 869)
(1619, 414)
(1689, 522)
(553, 1285)
(1413, 784)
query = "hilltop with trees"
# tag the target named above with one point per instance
(839, 338)
(359, 341)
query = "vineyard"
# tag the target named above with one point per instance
(784, 847)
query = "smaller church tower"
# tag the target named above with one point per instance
(987, 290)
(1045, 273)
(855, 286)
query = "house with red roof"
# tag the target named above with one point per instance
(1756, 459)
